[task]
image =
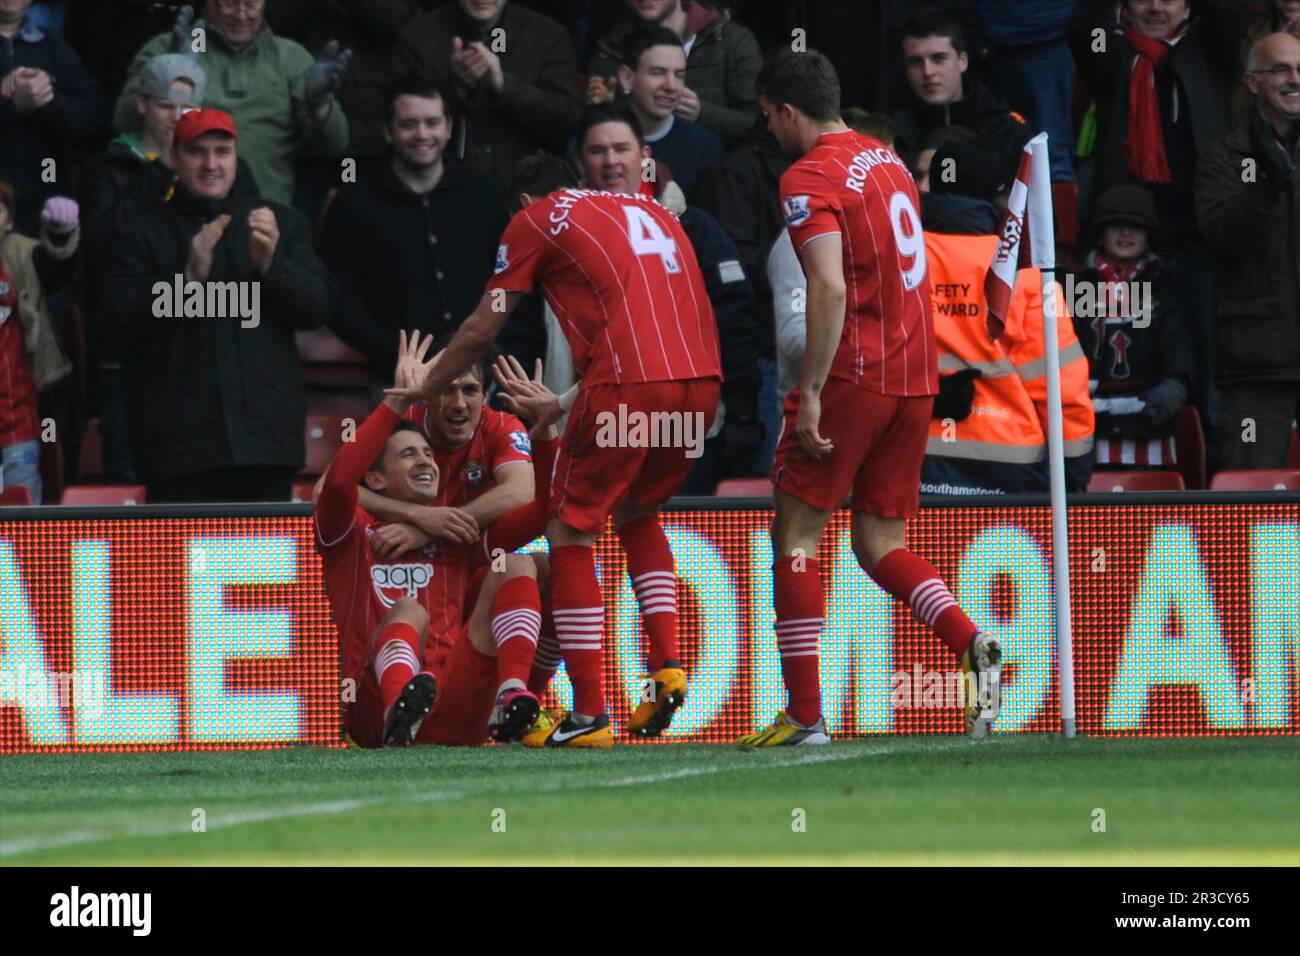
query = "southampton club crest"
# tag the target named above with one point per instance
(472, 473)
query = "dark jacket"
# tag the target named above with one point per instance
(1011, 23)
(539, 105)
(112, 188)
(208, 392)
(732, 298)
(78, 114)
(408, 261)
(744, 195)
(1148, 356)
(980, 110)
(370, 29)
(1194, 84)
(1252, 229)
(720, 69)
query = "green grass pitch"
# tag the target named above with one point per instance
(888, 800)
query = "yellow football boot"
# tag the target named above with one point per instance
(663, 692)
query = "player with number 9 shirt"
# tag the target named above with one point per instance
(859, 421)
(622, 278)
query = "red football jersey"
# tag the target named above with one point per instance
(622, 278)
(858, 187)
(362, 586)
(19, 421)
(468, 471)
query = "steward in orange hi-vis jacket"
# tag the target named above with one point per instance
(989, 433)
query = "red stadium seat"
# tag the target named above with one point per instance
(744, 488)
(15, 495)
(105, 495)
(1293, 452)
(1189, 442)
(90, 462)
(1259, 479)
(328, 360)
(1104, 481)
(324, 439)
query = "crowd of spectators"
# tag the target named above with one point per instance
(346, 159)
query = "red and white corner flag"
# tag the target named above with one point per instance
(1029, 217)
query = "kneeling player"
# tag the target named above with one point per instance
(403, 622)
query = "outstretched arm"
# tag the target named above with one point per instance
(471, 343)
(336, 493)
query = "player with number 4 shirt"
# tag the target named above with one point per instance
(858, 423)
(622, 279)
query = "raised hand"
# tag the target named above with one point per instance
(60, 215)
(526, 397)
(264, 236)
(204, 242)
(688, 105)
(325, 75)
(600, 89)
(181, 29)
(410, 370)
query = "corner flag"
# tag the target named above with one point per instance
(1029, 216)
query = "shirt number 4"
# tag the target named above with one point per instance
(648, 239)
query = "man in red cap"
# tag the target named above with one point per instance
(204, 293)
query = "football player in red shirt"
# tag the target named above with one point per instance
(622, 279)
(851, 209)
(412, 621)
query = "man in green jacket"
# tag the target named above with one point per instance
(282, 100)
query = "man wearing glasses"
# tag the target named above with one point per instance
(282, 100)
(1248, 205)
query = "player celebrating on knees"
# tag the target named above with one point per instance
(484, 461)
(870, 362)
(418, 665)
(622, 278)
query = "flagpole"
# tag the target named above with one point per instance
(1042, 228)
(1060, 520)
(1026, 239)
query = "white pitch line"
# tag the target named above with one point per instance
(23, 845)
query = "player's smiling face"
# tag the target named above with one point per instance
(611, 158)
(409, 471)
(458, 412)
(418, 130)
(934, 69)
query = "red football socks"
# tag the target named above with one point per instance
(914, 580)
(654, 579)
(800, 612)
(547, 658)
(397, 659)
(579, 623)
(516, 619)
